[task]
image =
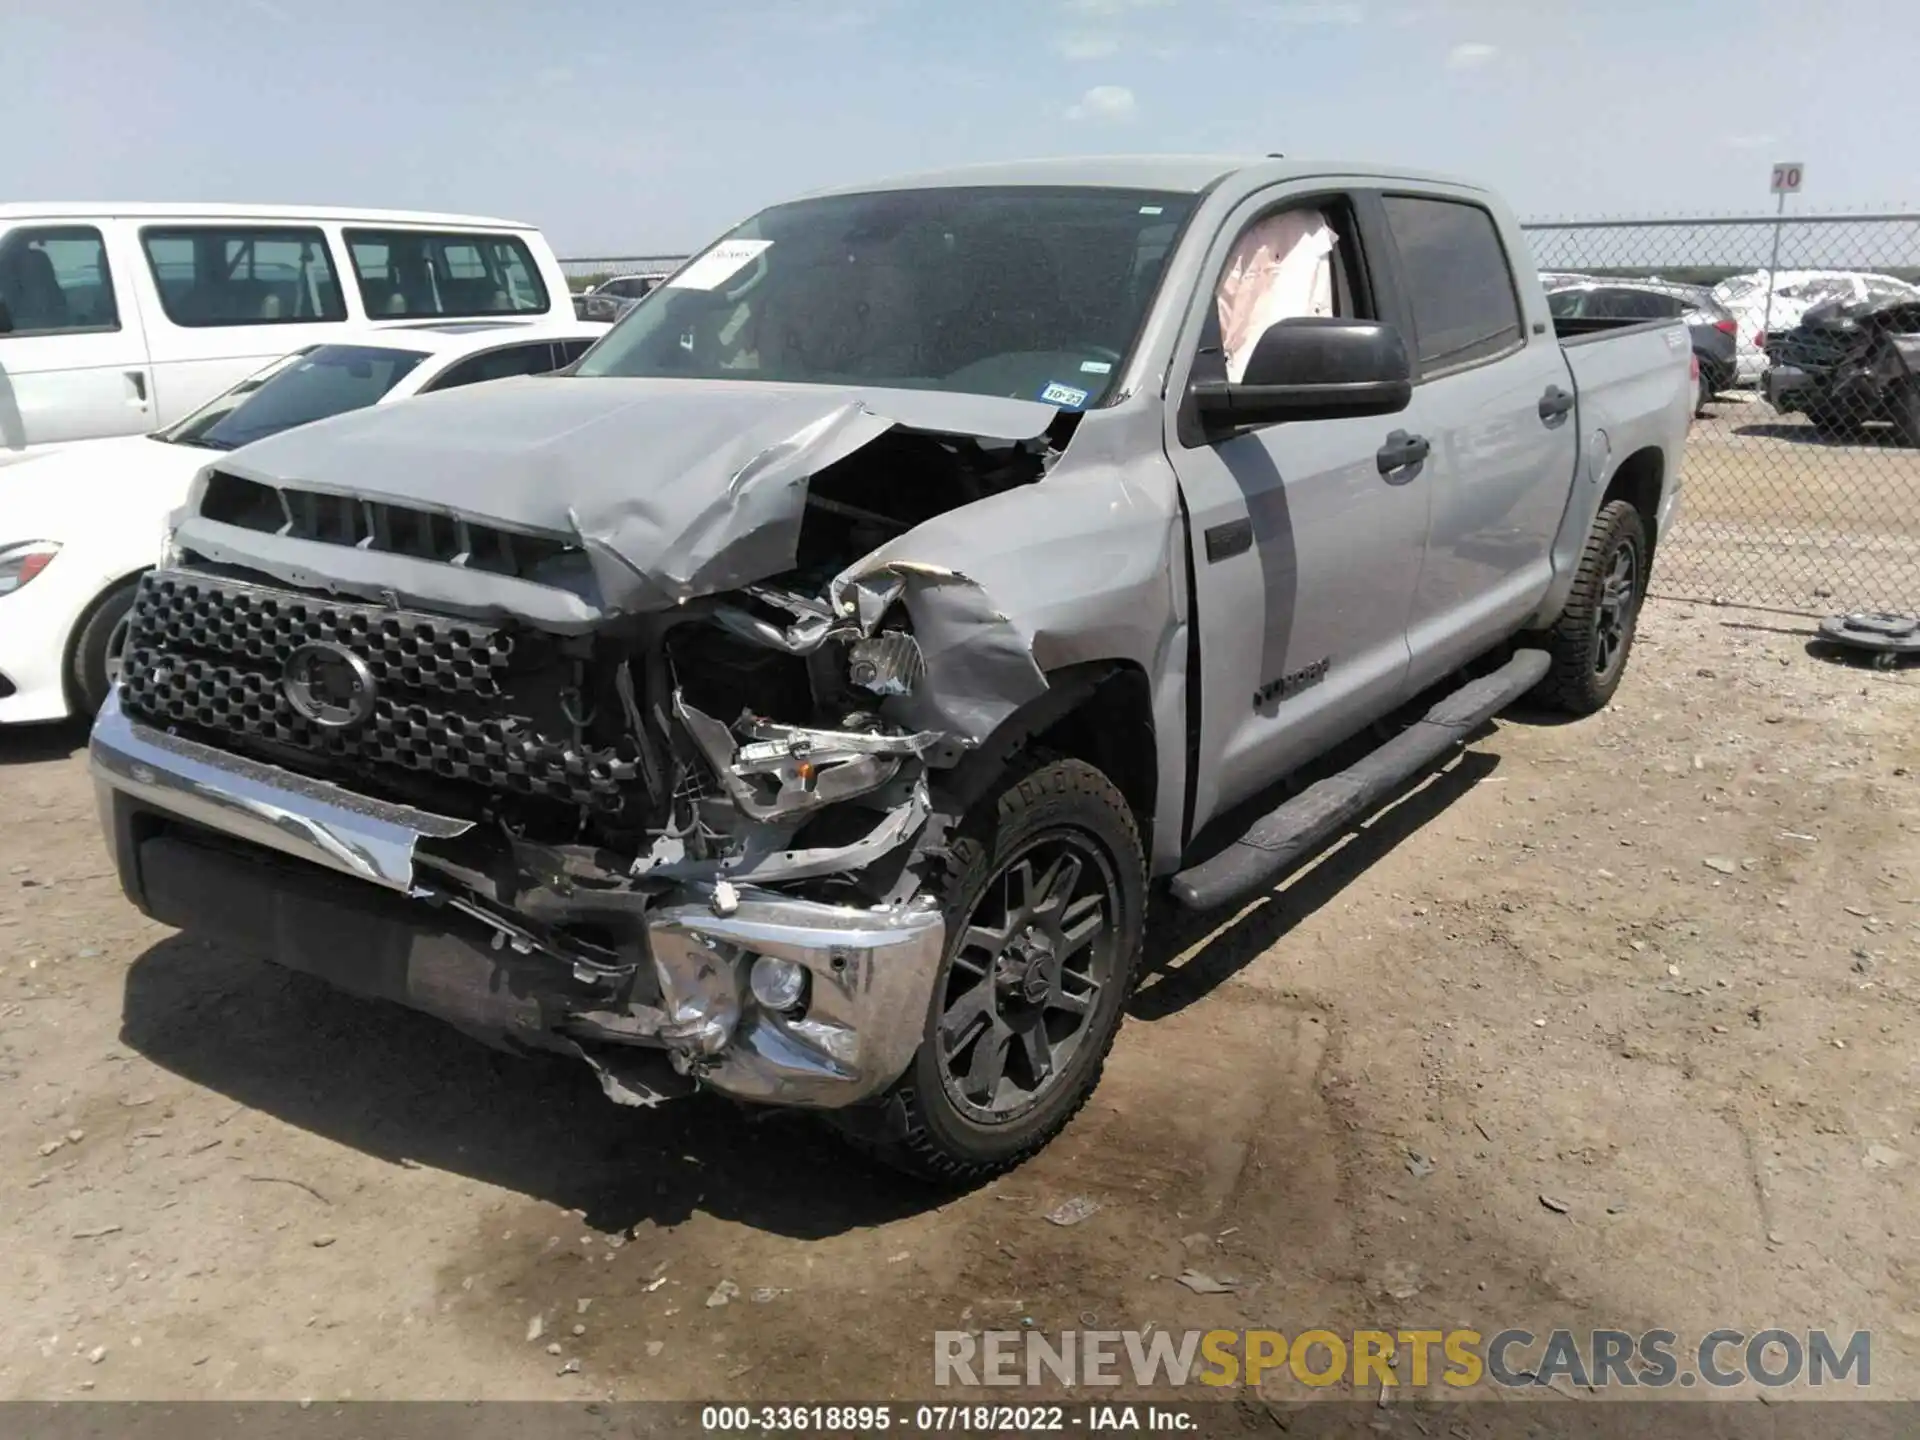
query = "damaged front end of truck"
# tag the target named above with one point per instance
(634, 699)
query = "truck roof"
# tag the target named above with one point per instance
(1178, 173)
(223, 210)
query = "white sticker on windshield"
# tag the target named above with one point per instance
(719, 264)
(1096, 367)
(1151, 209)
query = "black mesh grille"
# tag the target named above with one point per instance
(375, 525)
(211, 655)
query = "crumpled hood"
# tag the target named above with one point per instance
(675, 488)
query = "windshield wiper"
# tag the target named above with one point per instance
(203, 443)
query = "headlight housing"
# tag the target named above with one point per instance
(22, 560)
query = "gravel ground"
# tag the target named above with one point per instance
(1657, 966)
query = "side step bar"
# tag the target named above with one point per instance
(1281, 837)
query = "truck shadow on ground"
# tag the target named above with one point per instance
(32, 744)
(403, 1087)
(406, 1088)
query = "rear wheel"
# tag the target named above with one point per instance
(94, 666)
(1594, 636)
(1704, 396)
(1044, 892)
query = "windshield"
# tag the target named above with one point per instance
(297, 389)
(1030, 293)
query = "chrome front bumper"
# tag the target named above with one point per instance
(871, 972)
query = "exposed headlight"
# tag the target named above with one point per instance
(169, 549)
(778, 984)
(22, 560)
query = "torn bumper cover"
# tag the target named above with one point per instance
(304, 888)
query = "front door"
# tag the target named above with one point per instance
(73, 359)
(1305, 550)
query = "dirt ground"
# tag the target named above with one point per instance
(1658, 967)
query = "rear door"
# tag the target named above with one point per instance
(73, 365)
(225, 297)
(1493, 388)
(1304, 550)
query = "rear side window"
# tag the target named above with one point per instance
(421, 273)
(1633, 305)
(54, 278)
(498, 365)
(243, 275)
(1464, 306)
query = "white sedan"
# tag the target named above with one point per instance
(79, 526)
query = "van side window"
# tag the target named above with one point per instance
(54, 278)
(1465, 308)
(242, 275)
(420, 273)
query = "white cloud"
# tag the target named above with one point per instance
(1115, 7)
(1313, 12)
(1084, 45)
(1751, 142)
(1470, 55)
(1109, 103)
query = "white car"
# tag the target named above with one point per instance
(1795, 292)
(79, 525)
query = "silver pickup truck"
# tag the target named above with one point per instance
(802, 695)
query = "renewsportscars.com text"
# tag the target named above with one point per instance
(1318, 1358)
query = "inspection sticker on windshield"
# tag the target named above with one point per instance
(719, 264)
(1096, 367)
(1063, 395)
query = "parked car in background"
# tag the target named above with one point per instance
(1849, 364)
(611, 299)
(116, 319)
(77, 528)
(1794, 293)
(798, 696)
(1710, 325)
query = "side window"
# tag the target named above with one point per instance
(498, 365)
(1632, 305)
(243, 275)
(1461, 286)
(1287, 264)
(54, 278)
(421, 274)
(572, 350)
(1565, 304)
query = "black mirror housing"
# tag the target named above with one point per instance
(1313, 368)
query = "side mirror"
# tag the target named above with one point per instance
(1313, 368)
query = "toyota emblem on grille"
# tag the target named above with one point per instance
(329, 685)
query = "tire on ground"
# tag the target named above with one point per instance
(1578, 682)
(93, 644)
(916, 1126)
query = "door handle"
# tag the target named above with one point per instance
(1401, 451)
(1555, 403)
(137, 379)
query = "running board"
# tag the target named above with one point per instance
(1281, 837)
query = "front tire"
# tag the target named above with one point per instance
(1044, 888)
(94, 666)
(1594, 636)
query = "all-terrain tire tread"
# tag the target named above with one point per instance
(904, 1143)
(1571, 685)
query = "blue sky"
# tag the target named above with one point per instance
(646, 127)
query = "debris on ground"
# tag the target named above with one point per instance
(722, 1293)
(1203, 1284)
(1419, 1166)
(536, 1327)
(1553, 1203)
(1072, 1212)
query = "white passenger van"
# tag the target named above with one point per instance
(116, 319)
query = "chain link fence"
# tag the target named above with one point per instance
(1802, 481)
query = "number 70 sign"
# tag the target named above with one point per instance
(1787, 177)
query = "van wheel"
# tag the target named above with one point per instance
(1044, 889)
(1594, 636)
(95, 664)
(1906, 413)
